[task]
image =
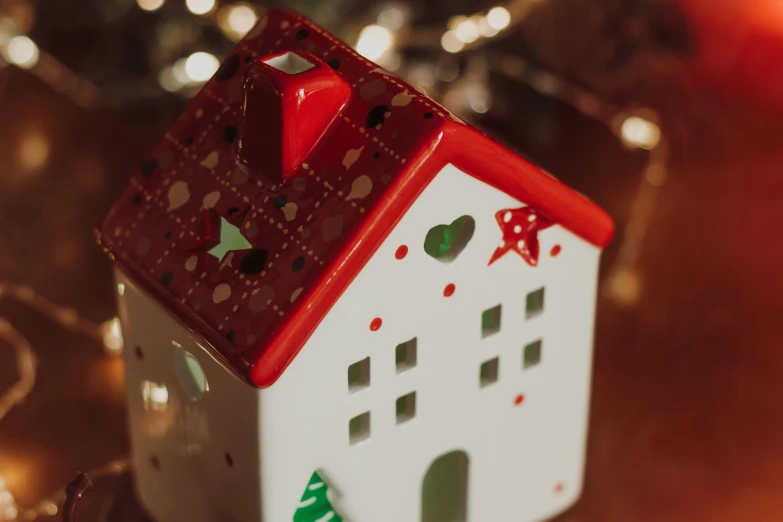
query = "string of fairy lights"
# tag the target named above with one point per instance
(383, 40)
(108, 333)
(634, 127)
(51, 506)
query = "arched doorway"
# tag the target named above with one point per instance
(444, 490)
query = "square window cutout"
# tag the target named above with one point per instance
(290, 63)
(534, 303)
(532, 354)
(359, 428)
(490, 321)
(359, 375)
(488, 373)
(405, 355)
(406, 407)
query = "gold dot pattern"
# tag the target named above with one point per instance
(297, 229)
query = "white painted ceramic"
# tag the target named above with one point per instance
(525, 459)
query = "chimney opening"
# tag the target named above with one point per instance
(290, 63)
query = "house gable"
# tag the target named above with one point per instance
(313, 402)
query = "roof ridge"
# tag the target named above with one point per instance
(418, 96)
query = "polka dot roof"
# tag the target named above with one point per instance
(296, 229)
(250, 300)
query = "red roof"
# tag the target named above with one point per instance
(312, 234)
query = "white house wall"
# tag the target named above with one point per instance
(526, 460)
(182, 447)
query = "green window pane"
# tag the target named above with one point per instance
(534, 303)
(486, 319)
(359, 375)
(490, 321)
(532, 354)
(359, 428)
(405, 355)
(488, 373)
(189, 372)
(406, 407)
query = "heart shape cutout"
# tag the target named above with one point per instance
(446, 242)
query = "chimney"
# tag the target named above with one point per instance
(291, 100)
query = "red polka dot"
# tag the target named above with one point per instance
(401, 252)
(555, 250)
(449, 290)
(376, 323)
(519, 399)
(559, 487)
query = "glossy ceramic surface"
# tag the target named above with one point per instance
(510, 395)
(522, 429)
(287, 114)
(311, 227)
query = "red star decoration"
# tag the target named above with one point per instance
(520, 227)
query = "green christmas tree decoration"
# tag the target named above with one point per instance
(315, 505)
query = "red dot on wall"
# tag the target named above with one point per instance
(376, 323)
(559, 487)
(449, 290)
(401, 252)
(555, 250)
(519, 399)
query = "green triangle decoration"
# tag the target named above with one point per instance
(230, 239)
(315, 505)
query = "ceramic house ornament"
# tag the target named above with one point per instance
(341, 303)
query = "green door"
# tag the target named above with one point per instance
(444, 490)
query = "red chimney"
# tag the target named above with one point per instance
(291, 100)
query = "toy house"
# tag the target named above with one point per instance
(340, 302)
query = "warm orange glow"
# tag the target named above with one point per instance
(33, 151)
(112, 336)
(736, 17)
(236, 20)
(624, 287)
(150, 5)
(15, 473)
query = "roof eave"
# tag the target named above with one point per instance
(190, 320)
(477, 155)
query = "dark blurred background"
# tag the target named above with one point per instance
(665, 112)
